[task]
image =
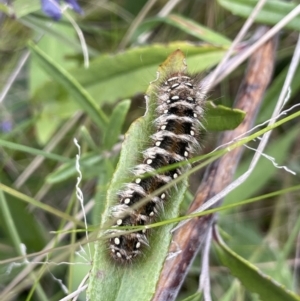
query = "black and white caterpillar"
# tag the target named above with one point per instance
(179, 111)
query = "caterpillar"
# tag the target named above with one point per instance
(178, 114)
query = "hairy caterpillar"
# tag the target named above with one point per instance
(178, 115)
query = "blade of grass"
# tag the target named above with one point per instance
(33, 151)
(39, 205)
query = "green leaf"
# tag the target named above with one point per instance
(115, 124)
(252, 278)
(116, 280)
(271, 13)
(79, 94)
(127, 73)
(107, 168)
(220, 118)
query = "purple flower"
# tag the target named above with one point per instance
(75, 6)
(53, 10)
(6, 126)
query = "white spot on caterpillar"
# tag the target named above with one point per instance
(189, 85)
(174, 86)
(117, 240)
(172, 78)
